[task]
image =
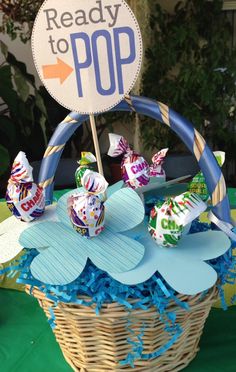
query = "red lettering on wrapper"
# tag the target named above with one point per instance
(35, 200)
(31, 204)
(138, 168)
(37, 196)
(25, 207)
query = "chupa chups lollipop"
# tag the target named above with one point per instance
(198, 183)
(87, 158)
(156, 169)
(24, 198)
(134, 168)
(168, 219)
(86, 209)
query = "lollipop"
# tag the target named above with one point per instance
(24, 198)
(168, 219)
(87, 158)
(86, 209)
(156, 169)
(198, 183)
(135, 169)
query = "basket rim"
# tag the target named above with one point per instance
(116, 310)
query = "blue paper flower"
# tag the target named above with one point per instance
(64, 253)
(183, 267)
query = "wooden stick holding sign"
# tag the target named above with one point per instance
(96, 144)
(97, 148)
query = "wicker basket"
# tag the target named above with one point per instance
(92, 343)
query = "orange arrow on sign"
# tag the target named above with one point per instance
(60, 70)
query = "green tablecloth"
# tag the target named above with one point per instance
(27, 343)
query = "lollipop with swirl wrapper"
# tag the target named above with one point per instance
(168, 219)
(135, 169)
(156, 169)
(87, 158)
(24, 198)
(86, 209)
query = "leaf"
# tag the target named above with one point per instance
(23, 88)
(42, 122)
(7, 93)
(7, 129)
(4, 160)
(26, 111)
(40, 103)
(11, 59)
(4, 48)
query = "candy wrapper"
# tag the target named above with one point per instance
(168, 219)
(86, 209)
(134, 168)
(198, 183)
(87, 158)
(156, 169)
(24, 198)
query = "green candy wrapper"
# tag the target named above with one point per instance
(169, 220)
(198, 183)
(87, 158)
(165, 231)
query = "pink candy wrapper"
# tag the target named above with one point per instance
(135, 169)
(24, 198)
(86, 209)
(156, 169)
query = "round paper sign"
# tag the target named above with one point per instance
(87, 53)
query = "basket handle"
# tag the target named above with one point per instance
(156, 110)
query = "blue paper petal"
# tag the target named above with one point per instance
(66, 258)
(124, 210)
(186, 276)
(146, 268)
(202, 246)
(114, 188)
(114, 252)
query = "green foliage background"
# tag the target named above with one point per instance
(192, 68)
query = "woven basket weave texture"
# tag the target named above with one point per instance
(92, 343)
